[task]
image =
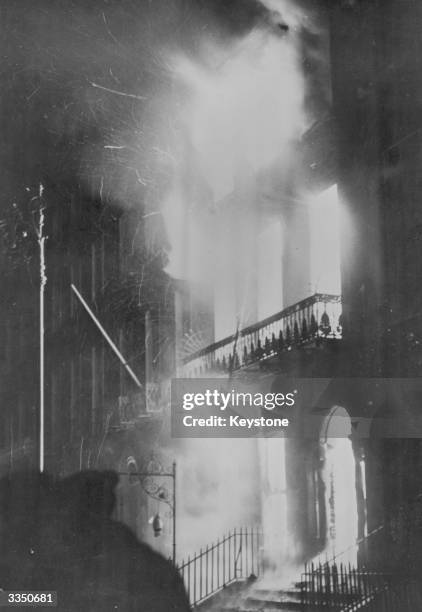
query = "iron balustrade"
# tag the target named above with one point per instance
(358, 550)
(386, 578)
(400, 594)
(344, 588)
(340, 587)
(314, 318)
(235, 557)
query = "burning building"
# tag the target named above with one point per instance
(318, 284)
(231, 189)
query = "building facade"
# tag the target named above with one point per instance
(362, 337)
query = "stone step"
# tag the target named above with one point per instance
(263, 600)
(257, 599)
(268, 607)
(281, 594)
(262, 607)
(267, 604)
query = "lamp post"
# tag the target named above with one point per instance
(158, 492)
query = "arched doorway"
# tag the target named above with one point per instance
(338, 475)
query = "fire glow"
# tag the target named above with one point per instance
(246, 106)
(242, 110)
(241, 114)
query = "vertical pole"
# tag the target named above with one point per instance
(174, 512)
(194, 579)
(189, 581)
(206, 571)
(148, 348)
(43, 280)
(41, 380)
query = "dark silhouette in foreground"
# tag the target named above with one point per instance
(59, 536)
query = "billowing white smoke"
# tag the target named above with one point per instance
(245, 108)
(242, 110)
(219, 490)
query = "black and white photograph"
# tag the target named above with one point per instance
(211, 305)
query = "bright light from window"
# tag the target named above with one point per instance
(270, 288)
(340, 487)
(325, 242)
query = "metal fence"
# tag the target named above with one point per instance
(348, 589)
(402, 595)
(360, 551)
(236, 556)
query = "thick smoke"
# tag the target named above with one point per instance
(176, 107)
(242, 106)
(241, 112)
(245, 107)
(220, 485)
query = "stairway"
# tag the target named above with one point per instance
(263, 599)
(255, 599)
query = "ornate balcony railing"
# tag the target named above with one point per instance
(314, 318)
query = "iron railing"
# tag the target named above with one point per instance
(400, 594)
(343, 588)
(316, 317)
(235, 557)
(340, 587)
(383, 577)
(357, 551)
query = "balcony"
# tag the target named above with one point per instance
(311, 321)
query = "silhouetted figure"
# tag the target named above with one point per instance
(59, 536)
